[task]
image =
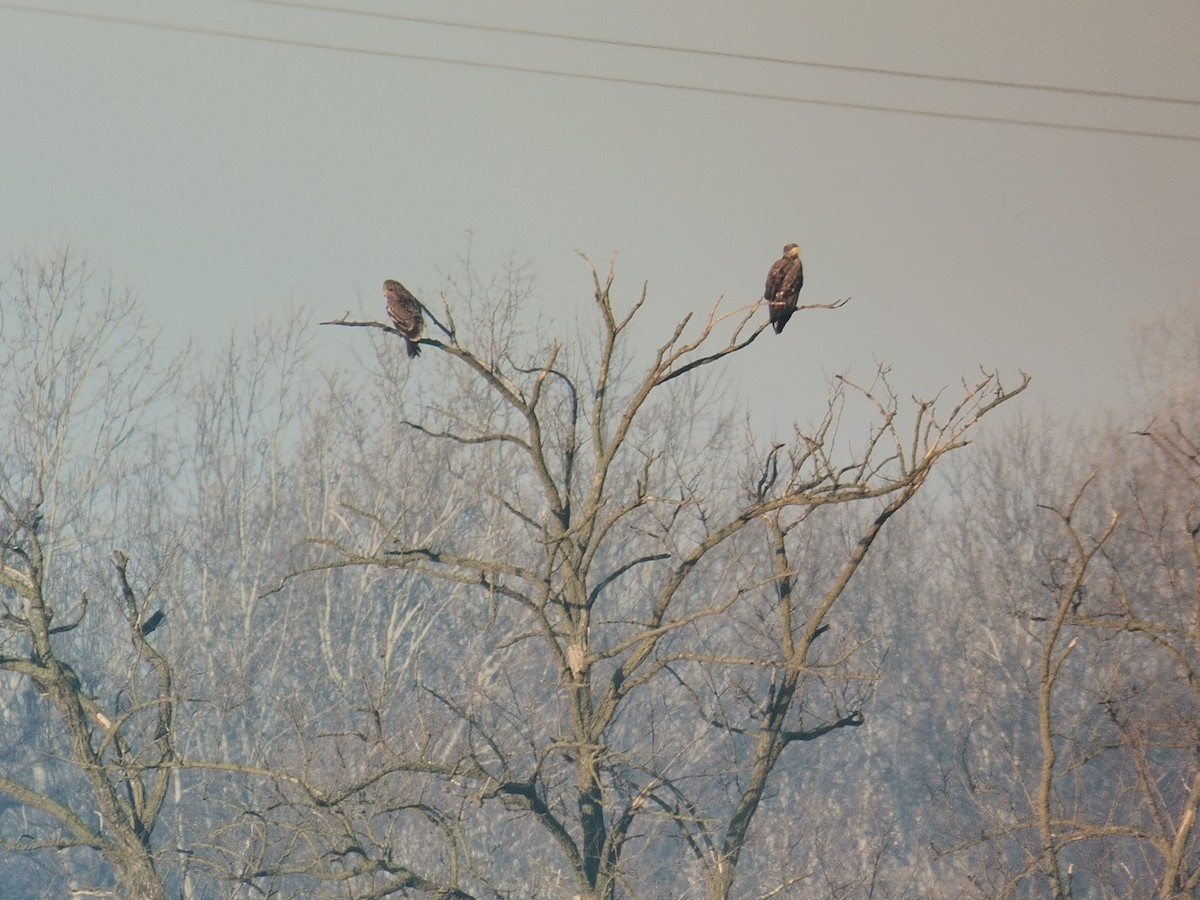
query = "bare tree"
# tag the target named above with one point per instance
(81, 383)
(631, 627)
(553, 595)
(1079, 758)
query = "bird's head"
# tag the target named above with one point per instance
(792, 251)
(390, 286)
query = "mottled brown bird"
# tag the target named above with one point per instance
(405, 313)
(783, 286)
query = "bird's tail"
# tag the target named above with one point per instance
(779, 315)
(413, 350)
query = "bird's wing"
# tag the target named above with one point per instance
(416, 317)
(774, 278)
(793, 281)
(405, 315)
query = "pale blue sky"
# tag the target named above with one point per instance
(225, 177)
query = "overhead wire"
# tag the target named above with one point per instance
(724, 54)
(616, 79)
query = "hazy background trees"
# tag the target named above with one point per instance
(542, 616)
(1078, 747)
(89, 738)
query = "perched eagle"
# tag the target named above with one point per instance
(783, 286)
(405, 313)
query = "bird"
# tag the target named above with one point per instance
(152, 623)
(405, 312)
(783, 286)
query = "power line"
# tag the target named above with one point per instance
(723, 54)
(615, 79)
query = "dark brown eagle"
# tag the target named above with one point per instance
(783, 286)
(405, 312)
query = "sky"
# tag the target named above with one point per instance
(231, 157)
